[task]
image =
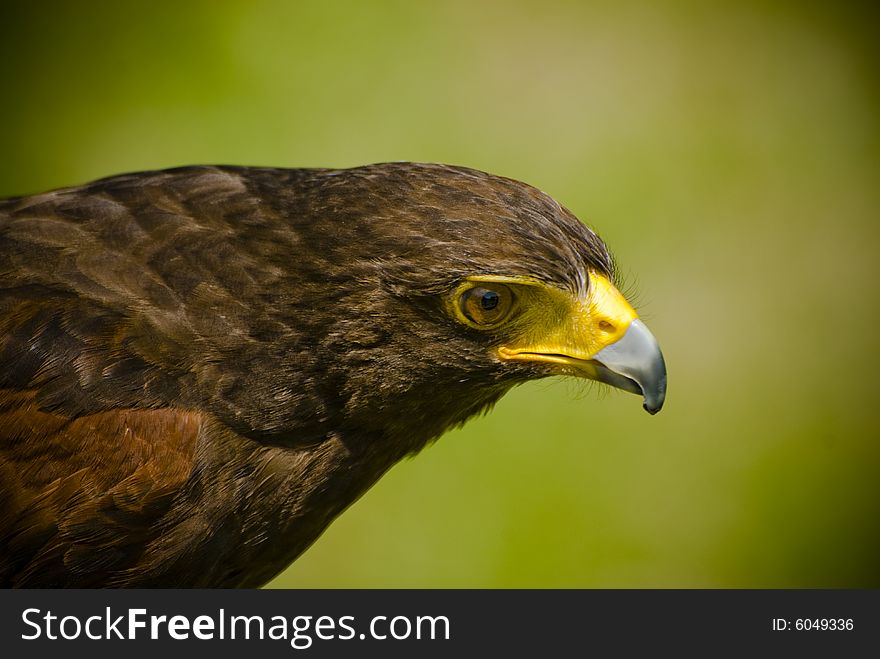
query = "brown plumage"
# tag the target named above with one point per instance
(200, 368)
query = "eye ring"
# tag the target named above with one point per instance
(486, 305)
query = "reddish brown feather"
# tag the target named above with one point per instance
(69, 486)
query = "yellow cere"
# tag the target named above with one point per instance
(608, 310)
(552, 325)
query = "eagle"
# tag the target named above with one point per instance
(202, 367)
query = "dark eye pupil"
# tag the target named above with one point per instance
(489, 300)
(484, 307)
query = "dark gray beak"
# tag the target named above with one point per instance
(634, 363)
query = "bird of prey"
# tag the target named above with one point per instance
(201, 367)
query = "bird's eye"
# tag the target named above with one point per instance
(484, 306)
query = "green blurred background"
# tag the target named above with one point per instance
(729, 156)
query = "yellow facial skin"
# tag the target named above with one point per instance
(578, 328)
(597, 336)
(548, 324)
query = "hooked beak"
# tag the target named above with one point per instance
(634, 363)
(602, 339)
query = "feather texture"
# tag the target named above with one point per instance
(200, 368)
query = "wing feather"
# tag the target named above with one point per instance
(83, 497)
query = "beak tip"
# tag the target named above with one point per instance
(650, 410)
(655, 399)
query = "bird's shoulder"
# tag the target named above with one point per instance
(84, 497)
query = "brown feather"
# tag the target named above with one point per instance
(200, 368)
